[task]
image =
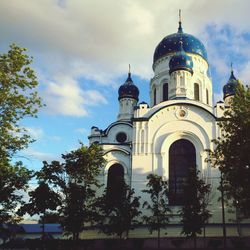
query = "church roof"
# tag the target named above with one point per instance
(170, 45)
(229, 88)
(128, 89)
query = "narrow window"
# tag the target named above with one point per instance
(142, 141)
(182, 157)
(154, 96)
(207, 96)
(115, 184)
(196, 92)
(165, 91)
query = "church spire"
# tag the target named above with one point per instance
(232, 77)
(129, 75)
(180, 27)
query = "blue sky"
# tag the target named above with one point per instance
(82, 49)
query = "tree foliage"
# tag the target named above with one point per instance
(231, 154)
(12, 178)
(194, 212)
(18, 100)
(159, 211)
(44, 198)
(82, 167)
(120, 217)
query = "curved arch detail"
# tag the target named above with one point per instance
(126, 152)
(106, 131)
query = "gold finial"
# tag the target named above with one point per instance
(129, 71)
(179, 15)
(180, 28)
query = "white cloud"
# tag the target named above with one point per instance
(83, 131)
(93, 98)
(35, 133)
(96, 40)
(245, 74)
(55, 138)
(41, 156)
(66, 97)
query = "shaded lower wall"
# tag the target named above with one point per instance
(134, 244)
(211, 230)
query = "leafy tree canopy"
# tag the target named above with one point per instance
(231, 155)
(120, 217)
(18, 100)
(12, 178)
(82, 167)
(158, 208)
(194, 212)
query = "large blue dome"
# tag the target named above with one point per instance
(128, 89)
(170, 45)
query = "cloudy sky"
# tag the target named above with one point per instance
(82, 48)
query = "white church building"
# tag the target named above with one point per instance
(173, 132)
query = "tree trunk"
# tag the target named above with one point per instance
(43, 229)
(204, 236)
(195, 242)
(75, 239)
(223, 213)
(158, 236)
(238, 221)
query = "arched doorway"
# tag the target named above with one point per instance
(182, 157)
(115, 183)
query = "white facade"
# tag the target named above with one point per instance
(186, 113)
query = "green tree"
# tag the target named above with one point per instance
(12, 178)
(50, 218)
(18, 100)
(160, 212)
(194, 213)
(231, 154)
(46, 197)
(82, 167)
(119, 217)
(42, 199)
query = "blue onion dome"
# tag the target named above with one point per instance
(230, 88)
(170, 44)
(181, 61)
(128, 89)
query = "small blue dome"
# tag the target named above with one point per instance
(230, 88)
(128, 89)
(170, 45)
(181, 61)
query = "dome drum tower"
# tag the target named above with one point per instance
(180, 60)
(128, 98)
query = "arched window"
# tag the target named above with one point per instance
(142, 141)
(154, 96)
(181, 159)
(182, 81)
(196, 92)
(115, 183)
(165, 91)
(207, 96)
